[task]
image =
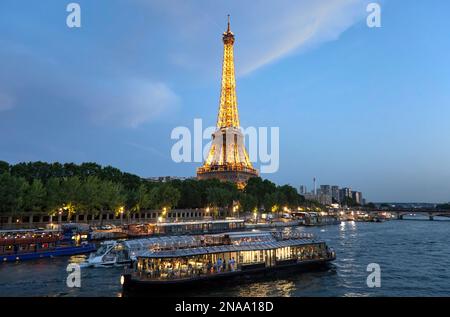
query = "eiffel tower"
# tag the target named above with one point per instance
(228, 159)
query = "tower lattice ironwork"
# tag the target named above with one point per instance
(228, 159)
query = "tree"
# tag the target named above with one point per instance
(371, 205)
(140, 199)
(165, 196)
(34, 196)
(259, 188)
(90, 195)
(54, 199)
(12, 190)
(289, 196)
(248, 202)
(89, 169)
(4, 167)
(349, 202)
(111, 197)
(112, 174)
(443, 206)
(270, 202)
(70, 194)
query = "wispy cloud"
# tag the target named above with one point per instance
(266, 31)
(132, 103)
(298, 27)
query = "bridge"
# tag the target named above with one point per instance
(430, 213)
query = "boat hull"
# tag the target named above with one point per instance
(61, 251)
(137, 287)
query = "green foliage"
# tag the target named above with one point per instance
(34, 196)
(92, 189)
(141, 198)
(12, 190)
(259, 188)
(219, 197)
(348, 201)
(248, 202)
(165, 196)
(270, 202)
(371, 206)
(4, 167)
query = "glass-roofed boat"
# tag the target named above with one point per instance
(215, 257)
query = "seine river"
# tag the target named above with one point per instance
(414, 257)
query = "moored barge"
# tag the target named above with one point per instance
(224, 257)
(29, 244)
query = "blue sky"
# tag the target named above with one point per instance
(360, 107)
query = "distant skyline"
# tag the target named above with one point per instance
(357, 107)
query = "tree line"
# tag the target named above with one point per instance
(89, 188)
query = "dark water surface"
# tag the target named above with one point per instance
(414, 257)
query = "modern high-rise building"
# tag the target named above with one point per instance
(344, 193)
(303, 190)
(228, 159)
(335, 193)
(357, 197)
(325, 189)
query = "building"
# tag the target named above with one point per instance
(345, 193)
(357, 197)
(228, 159)
(325, 190)
(324, 199)
(335, 194)
(319, 197)
(303, 190)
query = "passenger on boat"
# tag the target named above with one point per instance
(232, 263)
(210, 267)
(219, 265)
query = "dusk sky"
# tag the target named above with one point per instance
(367, 108)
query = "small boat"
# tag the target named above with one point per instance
(109, 253)
(29, 244)
(224, 257)
(118, 253)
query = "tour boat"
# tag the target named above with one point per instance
(222, 257)
(29, 244)
(183, 227)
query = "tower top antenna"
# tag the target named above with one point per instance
(229, 28)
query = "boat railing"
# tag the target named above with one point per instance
(178, 274)
(292, 235)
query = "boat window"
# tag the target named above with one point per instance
(101, 250)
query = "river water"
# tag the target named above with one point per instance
(414, 257)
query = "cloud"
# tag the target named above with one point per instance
(132, 103)
(266, 31)
(6, 102)
(298, 28)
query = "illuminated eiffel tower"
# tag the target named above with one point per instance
(228, 159)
